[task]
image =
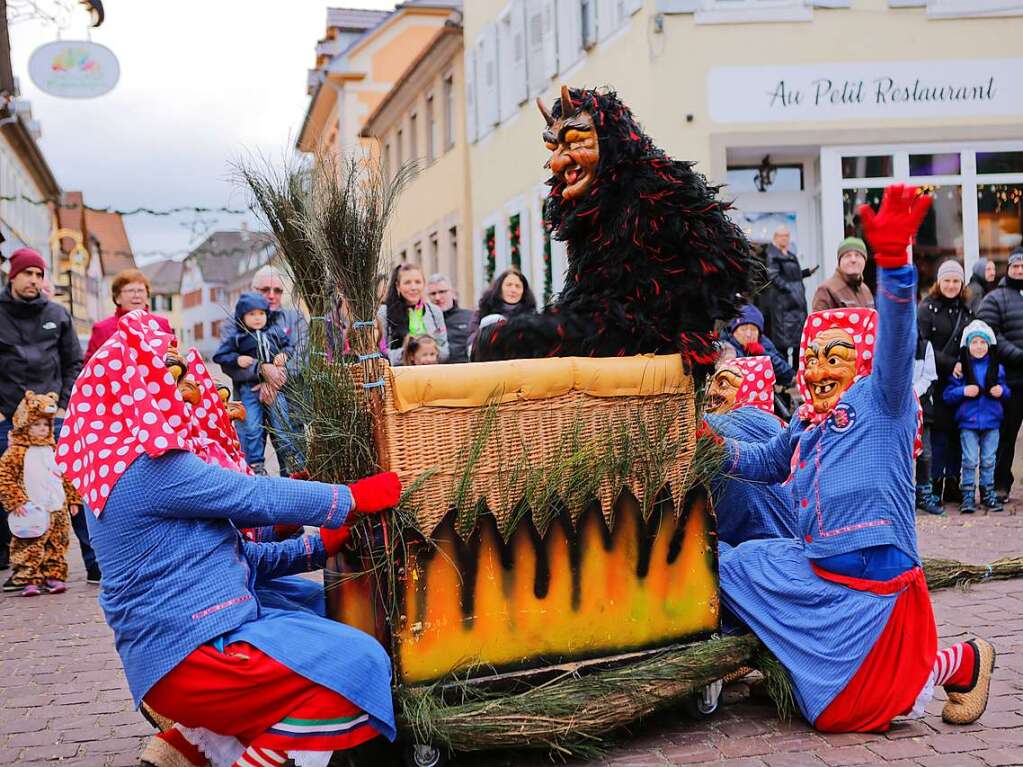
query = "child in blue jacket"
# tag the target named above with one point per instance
(978, 389)
(258, 341)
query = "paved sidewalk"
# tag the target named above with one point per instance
(63, 699)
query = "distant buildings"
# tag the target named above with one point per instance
(212, 277)
(165, 291)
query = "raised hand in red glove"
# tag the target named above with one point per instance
(376, 493)
(890, 231)
(334, 538)
(754, 349)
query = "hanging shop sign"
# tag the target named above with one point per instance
(74, 69)
(866, 90)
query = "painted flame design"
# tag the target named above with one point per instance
(579, 591)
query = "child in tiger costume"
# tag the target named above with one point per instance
(29, 474)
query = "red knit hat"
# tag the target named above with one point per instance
(24, 258)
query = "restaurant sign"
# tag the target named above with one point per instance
(866, 90)
(74, 69)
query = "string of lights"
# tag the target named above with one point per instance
(132, 212)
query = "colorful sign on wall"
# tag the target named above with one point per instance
(74, 69)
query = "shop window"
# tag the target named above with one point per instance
(515, 240)
(852, 199)
(869, 166)
(999, 220)
(999, 162)
(548, 266)
(489, 253)
(940, 236)
(742, 179)
(449, 112)
(453, 254)
(946, 164)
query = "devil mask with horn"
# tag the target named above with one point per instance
(653, 258)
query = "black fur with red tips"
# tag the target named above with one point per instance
(653, 258)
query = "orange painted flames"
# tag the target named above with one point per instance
(574, 593)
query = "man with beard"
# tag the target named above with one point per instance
(845, 606)
(653, 258)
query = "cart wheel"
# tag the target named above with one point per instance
(704, 703)
(420, 755)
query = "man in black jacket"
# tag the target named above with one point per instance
(787, 305)
(1002, 309)
(39, 351)
(457, 320)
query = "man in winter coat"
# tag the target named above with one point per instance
(845, 289)
(457, 319)
(1002, 309)
(38, 350)
(787, 308)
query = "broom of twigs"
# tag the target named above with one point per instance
(570, 714)
(329, 221)
(948, 573)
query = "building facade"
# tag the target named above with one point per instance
(27, 185)
(422, 120)
(357, 63)
(165, 292)
(804, 109)
(212, 277)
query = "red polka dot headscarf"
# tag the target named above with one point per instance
(757, 387)
(861, 324)
(124, 403)
(212, 432)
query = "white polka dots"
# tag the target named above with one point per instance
(148, 418)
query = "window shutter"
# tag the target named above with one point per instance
(587, 11)
(470, 94)
(505, 65)
(536, 35)
(487, 106)
(606, 21)
(520, 66)
(550, 39)
(570, 40)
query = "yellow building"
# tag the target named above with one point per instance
(357, 63)
(423, 119)
(819, 103)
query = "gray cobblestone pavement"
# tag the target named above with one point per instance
(63, 698)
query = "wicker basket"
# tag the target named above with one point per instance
(430, 417)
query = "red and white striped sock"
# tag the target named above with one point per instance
(954, 665)
(261, 757)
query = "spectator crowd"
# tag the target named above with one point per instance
(969, 374)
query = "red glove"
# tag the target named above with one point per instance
(334, 538)
(890, 231)
(376, 493)
(754, 349)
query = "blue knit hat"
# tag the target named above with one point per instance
(748, 315)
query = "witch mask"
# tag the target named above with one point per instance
(573, 142)
(837, 350)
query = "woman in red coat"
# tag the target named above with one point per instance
(130, 290)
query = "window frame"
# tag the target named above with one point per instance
(745, 11)
(832, 185)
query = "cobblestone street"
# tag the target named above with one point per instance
(64, 698)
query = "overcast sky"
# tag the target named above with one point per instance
(203, 83)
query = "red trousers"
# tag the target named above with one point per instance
(245, 693)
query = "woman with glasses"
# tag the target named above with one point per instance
(130, 291)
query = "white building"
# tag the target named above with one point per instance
(25, 180)
(212, 277)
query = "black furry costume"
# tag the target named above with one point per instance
(653, 259)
